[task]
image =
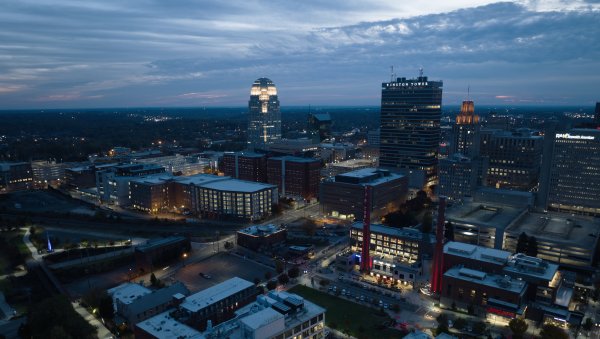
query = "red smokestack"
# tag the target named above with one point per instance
(438, 255)
(365, 259)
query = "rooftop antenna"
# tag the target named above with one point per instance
(392, 75)
(420, 71)
(468, 92)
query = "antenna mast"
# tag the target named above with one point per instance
(420, 71)
(392, 75)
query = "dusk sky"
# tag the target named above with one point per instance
(115, 53)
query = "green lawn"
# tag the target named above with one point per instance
(356, 320)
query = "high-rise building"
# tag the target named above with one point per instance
(245, 166)
(295, 176)
(571, 172)
(264, 116)
(466, 130)
(460, 175)
(319, 126)
(410, 128)
(514, 158)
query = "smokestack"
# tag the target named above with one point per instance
(438, 256)
(365, 259)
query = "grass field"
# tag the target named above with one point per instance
(12, 238)
(356, 320)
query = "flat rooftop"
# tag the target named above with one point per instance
(353, 163)
(211, 295)
(245, 154)
(475, 252)
(484, 214)
(531, 266)
(199, 179)
(367, 176)
(481, 278)
(260, 230)
(154, 243)
(153, 179)
(128, 292)
(234, 185)
(164, 326)
(294, 159)
(559, 228)
(391, 231)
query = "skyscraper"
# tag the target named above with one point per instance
(571, 172)
(410, 128)
(466, 130)
(264, 116)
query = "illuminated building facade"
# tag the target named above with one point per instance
(466, 130)
(514, 158)
(460, 175)
(248, 166)
(571, 178)
(410, 128)
(264, 115)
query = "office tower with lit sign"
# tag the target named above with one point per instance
(571, 172)
(410, 129)
(466, 131)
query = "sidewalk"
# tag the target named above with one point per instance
(103, 332)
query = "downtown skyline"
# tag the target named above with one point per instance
(65, 54)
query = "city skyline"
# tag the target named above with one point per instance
(103, 54)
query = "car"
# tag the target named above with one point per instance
(357, 297)
(204, 275)
(330, 288)
(450, 323)
(344, 291)
(380, 302)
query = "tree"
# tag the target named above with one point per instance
(427, 223)
(442, 327)
(294, 272)
(256, 281)
(153, 279)
(522, 243)
(228, 245)
(552, 332)
(588, 324)
(268, 275)
(518, 327)
(271, 285)
(279, 266)
(460, 323)
(532, 247)
(449, 231)
(55, 315)
(283, 279)
(310, 227)
(479, 327)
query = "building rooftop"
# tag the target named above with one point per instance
(290, 158)
(153, 179)
(158, 297)
(531, 266)
(353, 163)
(559, 228)
(262, 318)
(154, 243)
(477, 252)
(235, 185)
(391, 231)
(163, 326)
(246, 154)
(478, 277)
(260, 230)
(128, 292)
(199, 179)
(483, 214)
(367, 176)
(322, 116)
(209, 296)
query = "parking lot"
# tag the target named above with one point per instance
(219, 268)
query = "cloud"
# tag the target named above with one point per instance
(338, 52)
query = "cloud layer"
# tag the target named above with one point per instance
(71, 53)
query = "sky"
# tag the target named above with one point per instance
(149, 53)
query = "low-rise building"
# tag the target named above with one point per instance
(113, 183)
(396, 252)
(278, 315)
(130, 310)
(15, 176)
(261, 237)
(568, 240)
(156, 252)
(344, 195)
(48, 173)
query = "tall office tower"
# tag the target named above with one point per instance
(571, 172)
(466, 130)
(319, 126)
(410, 129)
(264, 116)
(460, 175)
(514, 158)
